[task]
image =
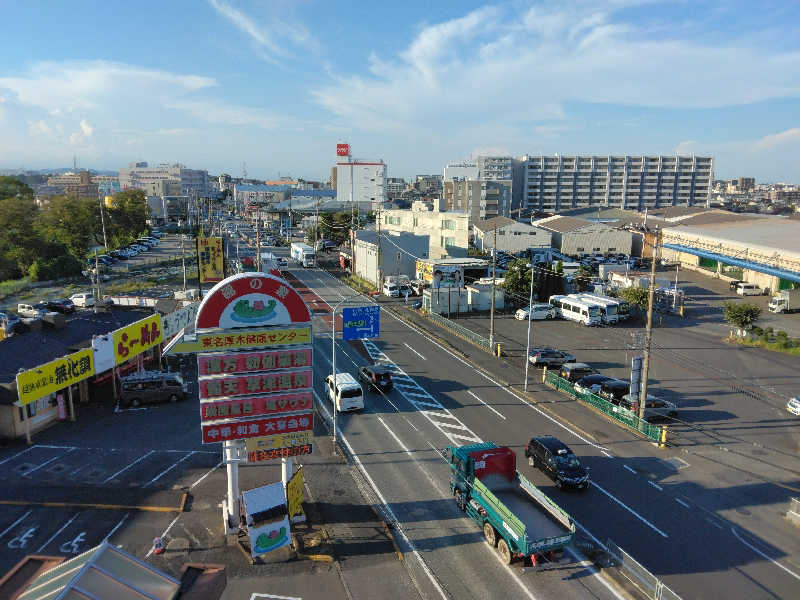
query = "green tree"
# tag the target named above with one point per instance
(127, 216)
(72, 222)
(19, 241)
(742, 315)
(335, 227)
(518, 283)
(634, 296)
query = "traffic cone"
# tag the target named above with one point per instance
(158, 546)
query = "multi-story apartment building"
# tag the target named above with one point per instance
(557, 183)
(460, 170)
(479, 199)
(75, 184)
(448, 232)
(428, 184)
(192, 182)
(495, 168)
(395, 186)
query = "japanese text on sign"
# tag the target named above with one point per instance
(136, 338)
(54, 375)
(251, 407)
(294, 493)
(237, 385)
(264, 455)
(244, 362)
(210, 259)
(259, 337)
(222, 431)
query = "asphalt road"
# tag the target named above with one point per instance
(707, 525)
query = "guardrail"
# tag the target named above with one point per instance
(612, 410)
(638, 575)
(133, 301)
(463, 332)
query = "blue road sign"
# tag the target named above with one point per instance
(361, 322)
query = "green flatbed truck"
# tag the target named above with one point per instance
(516, 517)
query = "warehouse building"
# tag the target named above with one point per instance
(578, 237)
(512, 236)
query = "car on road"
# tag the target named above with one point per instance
(346, 394)
(549, 357)
(591, 383)
(82, 299)
(555, 459)
(62, 305)
(377, 377)
(150, 387)
(793, 405)
(540, 311)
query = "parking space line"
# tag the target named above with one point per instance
(13, 456)
(168, 469)
(629, 469)
(15, 523)
(163, 535)
(110, 477)
(63, 527)
(47, 462)
(682, 503)
(117, 526)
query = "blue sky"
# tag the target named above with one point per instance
(215, 83)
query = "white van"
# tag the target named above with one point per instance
(748, 289)
(348, 394)
(83, 299)
(391, 289)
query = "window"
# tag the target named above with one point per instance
(612, 249)
(579, 249)
(447, 224)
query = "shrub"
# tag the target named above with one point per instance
(52, 268)
(742, 315)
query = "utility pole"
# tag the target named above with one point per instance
(494, 271)
(258, 245)
(649, 330)
(183, 263)
(530, 311)
(316, 230)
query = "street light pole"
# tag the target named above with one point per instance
(494, 271)
(528, 349)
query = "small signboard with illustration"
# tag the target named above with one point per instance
(267, 516)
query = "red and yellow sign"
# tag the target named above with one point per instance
(247, 362)
(273, 404)
(54, 375)
(210, 259)
(137, 337)
(242, 385)
(240, 429)
(283, 445)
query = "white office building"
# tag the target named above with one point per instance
(560, 183)
(495, 168)
(190, 182)
(360, 181)
(461, 170)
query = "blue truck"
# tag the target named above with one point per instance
(516, 517)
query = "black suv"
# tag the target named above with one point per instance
(557, 461)
(377, 377)
(614, 390)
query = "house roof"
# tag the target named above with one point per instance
(489, 224)
(562, 224)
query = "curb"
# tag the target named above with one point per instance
(178, 509)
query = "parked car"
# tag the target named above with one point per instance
(591, 383)
(390, 289)
(32, 311)
(735, 283)
(9, 322)
(82, 299)
(540, 311)
(614, 390)
(120, 255)
(554, 458)
(549, 357)
(654, 408)
(748, 289)
(62, 305)
(574, 371)
(377, 377)
(152, 386)
(793, 405)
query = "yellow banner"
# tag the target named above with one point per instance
(237, 339)
(54, 375)
(137, 337)
(210, 259)
(294, 493)
(279, 440)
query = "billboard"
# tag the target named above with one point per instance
(280, 445)
(224, 430)
(253, 406)
(342, 149)
(210, 259)
(54, 375)
(137, 337)
(440, 275)
(247, 362)
(242, 385)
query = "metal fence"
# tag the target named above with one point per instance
(637, 574)
(463, 332)
(617, 413)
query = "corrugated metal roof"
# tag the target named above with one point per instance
(561, 224)
(488, 224)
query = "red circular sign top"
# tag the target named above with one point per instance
(251, 300)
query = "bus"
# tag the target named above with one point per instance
(577, 309)
(609, 307)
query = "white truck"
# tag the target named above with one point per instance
(787, 301)
(303, 253)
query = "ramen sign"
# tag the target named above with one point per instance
(262, 390)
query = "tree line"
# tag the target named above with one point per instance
(54, 241)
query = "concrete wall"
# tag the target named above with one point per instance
(596, 238)
(514, 238)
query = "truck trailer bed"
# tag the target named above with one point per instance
(538, 522)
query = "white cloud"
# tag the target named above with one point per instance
(779, 140)
(39, 127)
(493, 66)
(271, 41)
(87, 129)
(228, 114)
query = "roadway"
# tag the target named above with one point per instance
(705, 528)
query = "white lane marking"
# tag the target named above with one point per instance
(168, 469)
(629, 469)
(414, 427)
(434, 483)
(414, 351)
(396, 439)
(714, 523)
(486, 405)
(385, 504)
(47, 462)
(589, 566)
(122, 470)
(63, 527)
(117, 526)
(682, 503)
(754, 549)
(655, 485)
(630, 510)
(255, 595)
(15, 523)
(163, 535)
(606, 453)
(207, 473)
(13, 456)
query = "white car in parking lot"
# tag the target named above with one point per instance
(540, 311)
(793, 405)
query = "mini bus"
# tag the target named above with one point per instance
(577, 309)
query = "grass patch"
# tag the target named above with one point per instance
(120, 289)
(357, 283)
(13, 286)
(793, 349)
